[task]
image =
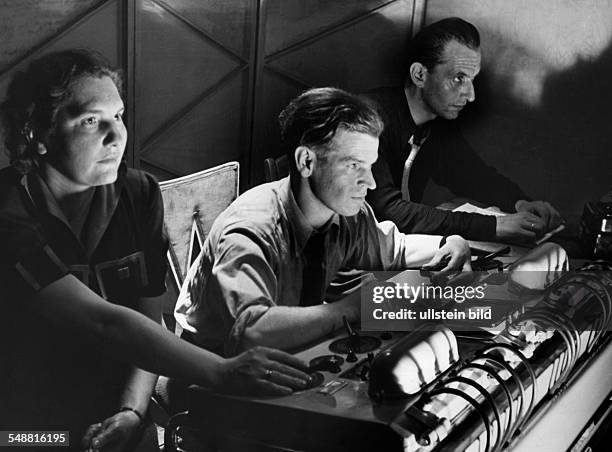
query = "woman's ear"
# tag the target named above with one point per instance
(304, 160)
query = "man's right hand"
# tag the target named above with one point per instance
(521, 227)
(263, 371)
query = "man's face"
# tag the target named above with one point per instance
(449, 85)
(89, 138)
(342, 178)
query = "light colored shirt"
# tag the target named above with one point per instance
(253, 260)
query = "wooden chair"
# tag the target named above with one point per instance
(191, 205)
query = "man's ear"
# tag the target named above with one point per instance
(304, 160)
(418, 74)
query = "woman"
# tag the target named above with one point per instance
(83, 266)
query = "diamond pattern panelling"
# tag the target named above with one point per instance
(100, 31)
(229, 22)
(276, 93)
(290, 21)
(27, 23)
(174, 65)
(211, 134)
(366, 54)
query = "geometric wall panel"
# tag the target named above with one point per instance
(229, 22)
(62, 25)
(351, 45)
(345, 57)
(290, 21)
(172, 71)
(210, 134)
(26, 24)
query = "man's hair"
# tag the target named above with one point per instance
(428, 44)
(313, 118)
(34, 97)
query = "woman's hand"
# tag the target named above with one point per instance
(263, 371)
(113, 434)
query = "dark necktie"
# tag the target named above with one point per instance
(313, 275)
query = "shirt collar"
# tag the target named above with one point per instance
(303, 229)
(411, 128)
(103, 204)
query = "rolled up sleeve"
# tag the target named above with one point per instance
(236, 289)
(29, 264)
(383, 247)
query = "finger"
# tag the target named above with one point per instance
(526, 236)
(289, 371)
(543, 212)
(269, 388)
(286, 358)
(107, 436)
(535, 225)
(91, 431)
(555, 218)
(455, 262)
(288, 380)
(467, 265)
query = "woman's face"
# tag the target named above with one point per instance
(87, 143)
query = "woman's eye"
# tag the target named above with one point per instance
(91, 121)
(119, 117)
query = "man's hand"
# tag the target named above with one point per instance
(113, 434)
(263, 371)
(522, 227)
(549, 215)
(456, 250)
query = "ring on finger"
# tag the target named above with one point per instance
(268, 374)
(532, 226)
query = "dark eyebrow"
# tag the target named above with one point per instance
(75, 110)
(351, 158)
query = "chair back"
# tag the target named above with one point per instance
(191, 205)
(276, 168)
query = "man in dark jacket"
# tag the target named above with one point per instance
(421, 142)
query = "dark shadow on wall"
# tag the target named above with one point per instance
(560, 148)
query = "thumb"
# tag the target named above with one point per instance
(108, 436)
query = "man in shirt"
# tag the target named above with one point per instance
(422, 142)
(269, 257)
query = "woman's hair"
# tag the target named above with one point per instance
(34, 97)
